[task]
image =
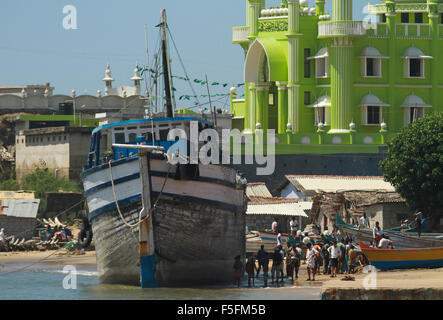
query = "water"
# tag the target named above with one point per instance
(46, 283)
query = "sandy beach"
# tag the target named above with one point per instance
(58, 258)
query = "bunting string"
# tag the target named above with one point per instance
(202, 82)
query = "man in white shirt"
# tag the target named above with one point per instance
(376, 232)
(311, 255)
(384, 242)
(364, 221)
(293, 226)
(334, 255)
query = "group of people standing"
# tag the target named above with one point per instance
(290, 257)
(336, 257)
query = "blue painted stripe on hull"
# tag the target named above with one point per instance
(106, 166)
(387, 265)
(111, 207)
(108, 184)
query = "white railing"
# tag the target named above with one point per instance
(413, 29)
(240, 33)
(352, 28)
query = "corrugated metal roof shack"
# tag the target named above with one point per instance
(18, 213)
(261, 214)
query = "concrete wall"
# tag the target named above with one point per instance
(394, 213)
(52, 148)
(19, 227)
(375, 213)
(64, 149)
(264, 222)
(78, 152)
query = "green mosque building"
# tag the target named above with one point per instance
(334, 89)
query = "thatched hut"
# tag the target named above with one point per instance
(386, 207)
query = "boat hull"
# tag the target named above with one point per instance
(199, 224)
(404, 258)
(271, 237)
(399, 240)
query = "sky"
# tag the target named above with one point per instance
(35, 48)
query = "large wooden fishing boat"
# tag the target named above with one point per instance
(157, 223)
(399, 239)
(386, 259)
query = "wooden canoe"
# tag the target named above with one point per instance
(386, 259)
(399, 240)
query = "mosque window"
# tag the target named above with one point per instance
(415, 114)
(415, 68)
(321, 68)
(372, 67)
(441, 18)
(307, 63)
(321, 63)
(383, 18)
(418, 17)
(320, 115)
(414, 63)
(374, 115)
(405, 17)
(307, 98)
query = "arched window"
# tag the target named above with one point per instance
(414, 65)
(371, 63)
(372, 110)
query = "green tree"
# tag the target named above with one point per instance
(414, 165)
(7, 183)
(42, 180)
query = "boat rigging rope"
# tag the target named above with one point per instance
(30, 265)
(150, 211)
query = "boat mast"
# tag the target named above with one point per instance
(167, 68)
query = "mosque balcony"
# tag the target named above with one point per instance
(418, 30)
(341, 29)
(240, 34)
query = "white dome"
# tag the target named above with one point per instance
(304, 3)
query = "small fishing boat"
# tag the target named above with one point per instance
(268, 236)
(399, 240)
(387, 259)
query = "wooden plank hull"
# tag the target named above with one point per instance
(199, 224)
(404, 258)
